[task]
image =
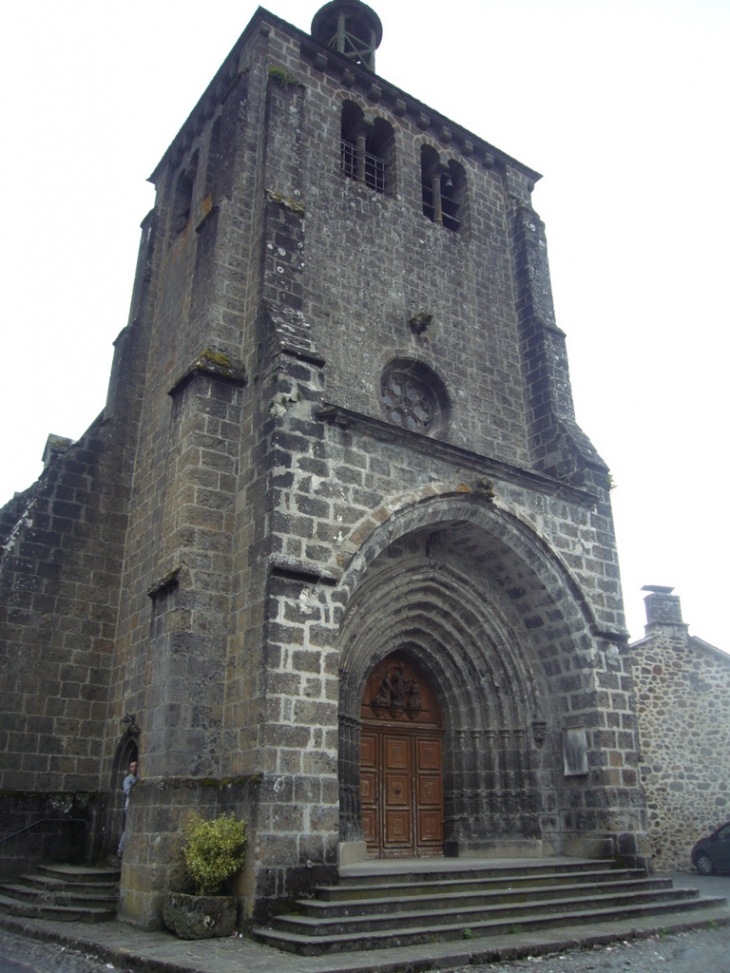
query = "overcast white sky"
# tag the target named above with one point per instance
(621, 104)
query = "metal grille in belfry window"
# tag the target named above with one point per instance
(349, 159)
(429, 209)
(374, 173)
(450, 211)
(374, 167)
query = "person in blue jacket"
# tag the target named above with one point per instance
(127, 784)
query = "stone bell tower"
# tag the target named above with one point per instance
(366, 591)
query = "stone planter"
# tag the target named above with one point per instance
(199, 916)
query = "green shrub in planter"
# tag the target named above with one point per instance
(214, 850)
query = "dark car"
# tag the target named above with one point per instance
(712, 854)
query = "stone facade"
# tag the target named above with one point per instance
(339, 425)
(683, 693)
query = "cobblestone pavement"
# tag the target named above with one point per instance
(690, 952)
(21, 955)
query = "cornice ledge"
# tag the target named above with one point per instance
(455, 455)
(216, 365)
(166, 583)
(619, 636)
(295, 569)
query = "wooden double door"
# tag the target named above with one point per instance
(401, 772)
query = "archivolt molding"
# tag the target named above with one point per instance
(458, 637)
(497, 626)
(438, 504)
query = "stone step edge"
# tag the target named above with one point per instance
(627, 885)
(69, 893)
(440, 882)
(719, 908)
(45, 883)
(552, 866)
(565, 906)
(69, 868)
(34, 910)
(78, 873)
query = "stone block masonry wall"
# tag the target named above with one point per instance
(334, 486)
(191, 633)
(60, 570)
(683, 693)
(191, 603)
(160, 808)
(177, 570)
(557, 444)
(59, 591)
(387, 263)
(61, 827)
(270, 731)
(59, 577)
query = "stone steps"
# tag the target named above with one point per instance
(471, 916)
(390, 908)
(384, 872)
(94, 874)
(58, 897)
(46, 883)
(69, 893)
(350, 889)
(455, 901)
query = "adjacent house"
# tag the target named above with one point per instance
(683, 699)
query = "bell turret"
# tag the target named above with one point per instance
(351, 28)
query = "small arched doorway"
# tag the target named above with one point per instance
(127, 751)
(401, 773)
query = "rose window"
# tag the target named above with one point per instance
(413, 396)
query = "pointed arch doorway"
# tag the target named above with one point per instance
(401, 768)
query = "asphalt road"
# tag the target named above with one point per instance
(20, 955)
(703, 951)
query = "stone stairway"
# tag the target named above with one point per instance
(381, 904)
(70, 893)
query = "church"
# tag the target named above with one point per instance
(335, 555)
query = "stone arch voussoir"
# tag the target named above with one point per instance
(442, 503)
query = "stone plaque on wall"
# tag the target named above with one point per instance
(575, 752)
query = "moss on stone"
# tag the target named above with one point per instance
(214, 358)
(291, 204)
(281, 77)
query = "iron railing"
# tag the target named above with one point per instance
(83, 821)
